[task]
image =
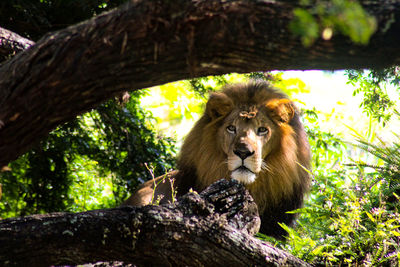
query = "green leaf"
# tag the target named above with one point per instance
(305, 26)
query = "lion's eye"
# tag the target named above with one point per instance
(231, 129)
(262, 131)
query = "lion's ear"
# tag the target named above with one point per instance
(219, 104)
(281, 110)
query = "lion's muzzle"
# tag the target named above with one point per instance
(243, 151)
(242, 162)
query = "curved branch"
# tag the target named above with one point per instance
(214, 228)
(145, 43)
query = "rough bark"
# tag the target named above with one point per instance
(213, 228)
(146, 43)
(11, 43)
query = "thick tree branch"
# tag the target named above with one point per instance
(146, 43)
(11, 43)
(213, 228)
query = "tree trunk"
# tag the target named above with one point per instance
(213, 228)
(146, 43)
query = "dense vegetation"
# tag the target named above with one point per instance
(352, 215)
(91, 162)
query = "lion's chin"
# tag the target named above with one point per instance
(243, 176)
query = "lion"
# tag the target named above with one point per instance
(249, 132)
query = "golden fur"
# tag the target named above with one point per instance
(252, 133)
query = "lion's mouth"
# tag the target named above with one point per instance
(243, 175)
(243, 168)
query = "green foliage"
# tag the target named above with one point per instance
(305, 25)
(326, 149)
(387, 173)
(323, 18)
(343, 229)
(352, 215)
(290, 86)
(24, 188)
(175, 101)
(204, 85)
(372, 85)
(91, 162)
(183, 102)
(129, 140)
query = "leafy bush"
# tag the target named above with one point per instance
(373, 86)
(92, 162)
(352, 216)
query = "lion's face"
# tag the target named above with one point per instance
(249, 131)
(247, 137)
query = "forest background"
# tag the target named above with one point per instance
(96, 161)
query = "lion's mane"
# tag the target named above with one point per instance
(278, 188)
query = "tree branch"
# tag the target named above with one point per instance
(11, 43)
(145, 43)
(213, 228)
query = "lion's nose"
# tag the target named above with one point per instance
(243, 151)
